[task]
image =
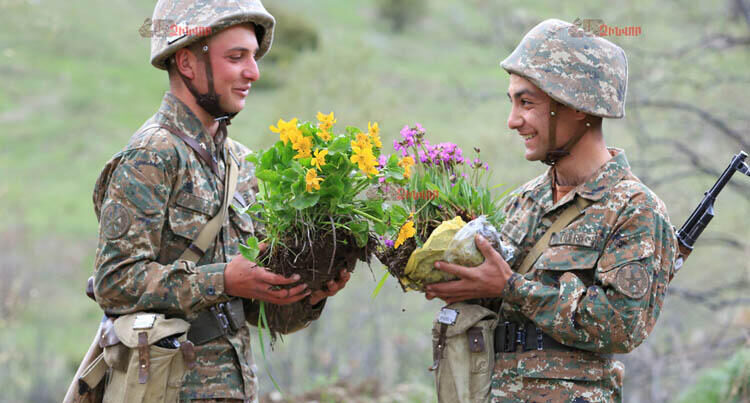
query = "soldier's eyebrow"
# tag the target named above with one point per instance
(237, 49)
(520, 93)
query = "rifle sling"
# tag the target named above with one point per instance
(199, 246)
(567, 216)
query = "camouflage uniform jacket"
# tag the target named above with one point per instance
(155, 196)
(598, 287)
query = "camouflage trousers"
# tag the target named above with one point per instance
(220, 401)
(544, 377)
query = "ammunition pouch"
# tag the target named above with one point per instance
(223, 319)
(147, 358)
(510, 337)
(463, 352)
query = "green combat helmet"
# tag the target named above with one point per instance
(204, 16)
(575, 68)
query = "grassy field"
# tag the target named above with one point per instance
(76, 83)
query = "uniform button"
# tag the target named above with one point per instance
(210, 290)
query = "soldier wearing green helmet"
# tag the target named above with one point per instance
(594, 246)
(168, 273)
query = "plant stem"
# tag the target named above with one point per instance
(363, 214)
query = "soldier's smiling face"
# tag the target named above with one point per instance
(234, 67)
(529, 116)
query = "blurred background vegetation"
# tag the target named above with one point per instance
(75, 82)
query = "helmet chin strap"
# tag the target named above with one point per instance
(210, 101)
(554, 156)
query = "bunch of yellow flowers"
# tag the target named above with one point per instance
(362, 149)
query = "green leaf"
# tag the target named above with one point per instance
(267, 160)
(269, 176)
(251, 250)
(380, 285)
(305, 200)
(395, 173)
(339, 145)
(253, 157)
(360, 231)
(351, 130)
(332, 188)
(290, 175)
(381, 228)
(287, 154)
(398, 213)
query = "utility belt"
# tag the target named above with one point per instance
(510, 336)
(223, 319)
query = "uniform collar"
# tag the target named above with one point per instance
(607, 176)
(594, 188)
(180, 117)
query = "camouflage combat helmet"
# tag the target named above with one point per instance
(215, 16)
(575, 68)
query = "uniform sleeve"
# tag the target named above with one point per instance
(128, 277)
(617, 312)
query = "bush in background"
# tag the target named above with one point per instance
(728, 383)
(400, 13)
(293, 35)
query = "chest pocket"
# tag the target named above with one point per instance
(190, 213)
(570, 249)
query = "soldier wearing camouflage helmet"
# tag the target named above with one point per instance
(594, 246)
(155, 196)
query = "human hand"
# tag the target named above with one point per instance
(333, 288)
(245, 279)
(484, 281)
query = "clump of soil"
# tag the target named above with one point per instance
(395, 259)
(317, 260)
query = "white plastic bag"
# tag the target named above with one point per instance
(463, 250)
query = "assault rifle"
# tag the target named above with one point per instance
(694, 226)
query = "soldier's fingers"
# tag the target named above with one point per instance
(448, 288)
(333, 288)
(486, 248)
(262, 247)
(277, 279)
(289, 300)
(460, 271)
(288, 292)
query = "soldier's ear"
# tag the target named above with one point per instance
(578, 115)
(185, 63)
